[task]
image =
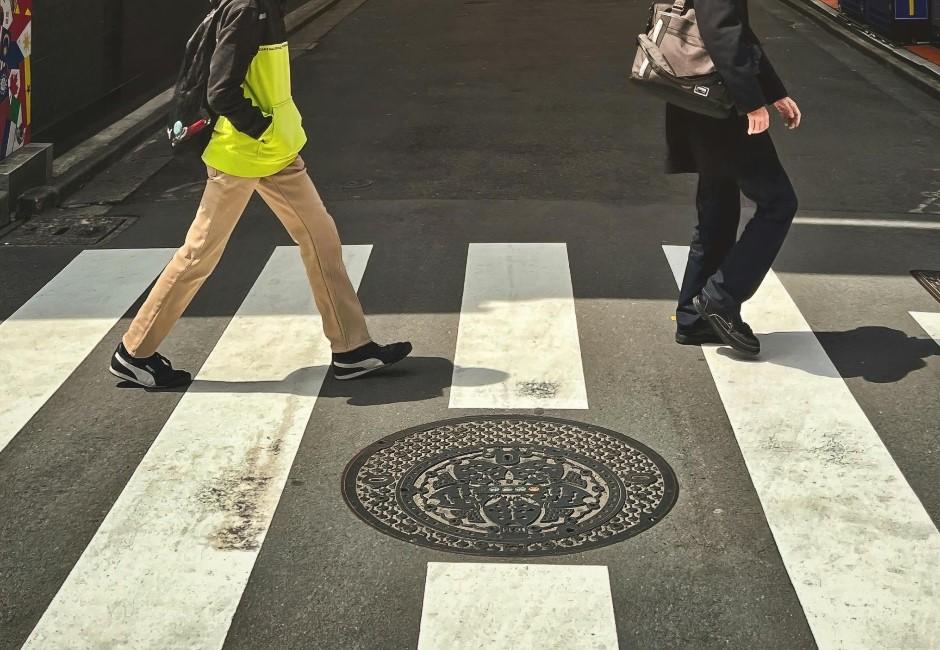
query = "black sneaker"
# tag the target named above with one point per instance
(153, 372)
(732, 330)
(368, 358)
(699, 334)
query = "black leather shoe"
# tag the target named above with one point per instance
(729, 327)
(700, 334)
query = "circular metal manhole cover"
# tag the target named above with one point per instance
(509, 486)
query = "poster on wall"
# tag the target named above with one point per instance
(16, 44)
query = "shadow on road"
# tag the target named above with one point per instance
(415, 379)
(880, 355)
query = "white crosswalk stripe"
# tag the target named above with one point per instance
(49, 336)
(518, 318)
(168, 565)
(861, 551)
(468, 606)
(930, 322)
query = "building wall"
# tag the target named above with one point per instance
(95, 60)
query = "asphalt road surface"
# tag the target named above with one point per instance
(499, 188)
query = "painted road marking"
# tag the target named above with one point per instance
(49, 336)
(861, 551)
(868, 223)
(930, 322)
(168, 565)
(518, 318)
(471, 606)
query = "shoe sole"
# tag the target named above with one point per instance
(718, 325)
(365, 371)
(137, 382)
(682, 339)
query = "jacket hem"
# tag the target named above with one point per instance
(245, 169)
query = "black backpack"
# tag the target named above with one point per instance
(190, 119)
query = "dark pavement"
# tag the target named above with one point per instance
(434, 125)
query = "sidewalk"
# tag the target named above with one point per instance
(920, 62)
(930, 53)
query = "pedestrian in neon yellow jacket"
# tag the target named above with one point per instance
(254, 147)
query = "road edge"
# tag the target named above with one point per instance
(925, 76)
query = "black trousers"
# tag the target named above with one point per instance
(727, 269)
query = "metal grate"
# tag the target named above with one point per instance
(930, 281)
(67, 230)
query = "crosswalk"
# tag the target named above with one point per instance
(835, 500)
(518, 318)
(466, 607)
(930, 322)
(210, 482)
(170, 562)
(49, 336)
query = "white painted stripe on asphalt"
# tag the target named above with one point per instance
(168, 565)
(861, 551)
(521, 606)
(518, 345)
(868, 223)
(49, 337)
(930, 322)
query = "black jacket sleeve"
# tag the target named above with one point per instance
(737, 58)
(770, 83)
(239, 38)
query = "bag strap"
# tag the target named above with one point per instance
(679, 6)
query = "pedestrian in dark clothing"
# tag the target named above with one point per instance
(731, 156)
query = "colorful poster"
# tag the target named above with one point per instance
(16, 46)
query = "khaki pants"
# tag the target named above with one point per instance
(294, 199)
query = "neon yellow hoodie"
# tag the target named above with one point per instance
(259, 131)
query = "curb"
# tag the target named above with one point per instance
(94, 155)
(923, 74)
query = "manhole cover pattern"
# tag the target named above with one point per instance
(510, 486)
(930, 280)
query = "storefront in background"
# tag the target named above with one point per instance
(16, 44)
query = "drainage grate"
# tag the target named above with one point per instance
(930, 280)
(67, 230)
(509, 486)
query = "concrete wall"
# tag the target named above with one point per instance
(95, 60)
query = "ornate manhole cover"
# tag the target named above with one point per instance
(930, 281)
(509, 486)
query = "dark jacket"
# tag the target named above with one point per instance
(259, 131)
(703, 144)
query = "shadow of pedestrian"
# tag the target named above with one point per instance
(879, 355)
(415, 379)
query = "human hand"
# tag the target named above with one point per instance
(758, 121)
(790, 112)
